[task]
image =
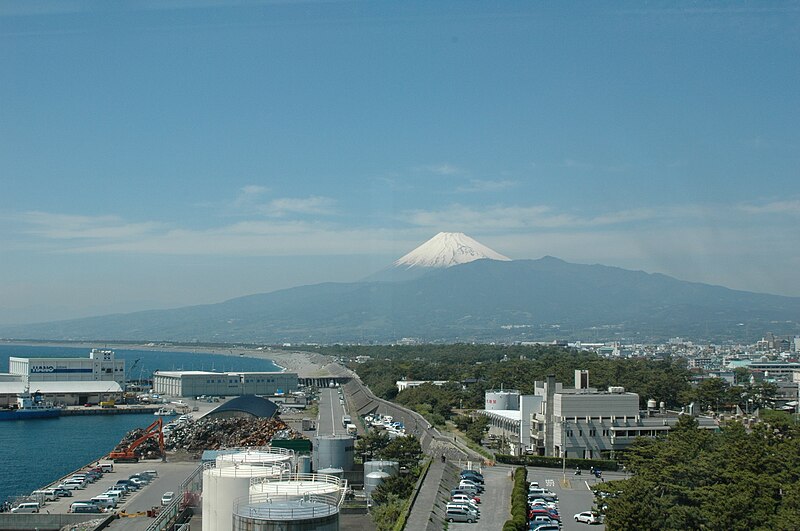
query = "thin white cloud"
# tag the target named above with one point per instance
(502, 217)
(70, 227)
(308, 205)
(444, 169)
(478, 186)
(791, 206)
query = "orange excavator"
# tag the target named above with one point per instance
(128, 455)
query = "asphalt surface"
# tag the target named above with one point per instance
(495, 500)
(331, 411)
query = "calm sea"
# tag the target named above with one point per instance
(35, 452)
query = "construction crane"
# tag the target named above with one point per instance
(153, 431)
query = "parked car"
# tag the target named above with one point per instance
(26, 507)
(167, 498)
(46, 494)
(468, 483)
(472, 477)
(459, 514)
(588, 517)
(61, 492)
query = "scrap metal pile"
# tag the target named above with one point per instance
(213, 434)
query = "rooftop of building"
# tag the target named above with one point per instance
(178, 374)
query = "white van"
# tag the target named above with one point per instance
(107, 467)
(459, 514)
(84, 507)
(105, 502)
(46, 494)
(27, 507)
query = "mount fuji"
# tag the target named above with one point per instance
(452, 288)
(448, 249)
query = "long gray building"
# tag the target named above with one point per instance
(198, 383)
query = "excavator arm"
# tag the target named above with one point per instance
(153, 431)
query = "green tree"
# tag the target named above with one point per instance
(386, 514)
(405, 450)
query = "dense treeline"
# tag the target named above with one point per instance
(737, 479)
(512, 367)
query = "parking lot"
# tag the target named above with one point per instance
(573, 497)
(170, 476)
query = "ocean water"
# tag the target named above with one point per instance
(34, 453)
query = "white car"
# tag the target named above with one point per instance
(588, 517)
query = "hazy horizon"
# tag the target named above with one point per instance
(159, 155)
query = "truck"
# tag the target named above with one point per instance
(352, 430)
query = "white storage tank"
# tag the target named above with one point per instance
(266, 456)
(334, 451)
(373, 480)
(299, 485)
(502, 400)
(223, 485)
(336, 472)
(270, 512)
(390, 467)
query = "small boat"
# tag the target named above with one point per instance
(30, 406)
(164, 412)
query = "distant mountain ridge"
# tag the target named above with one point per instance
(483, 300)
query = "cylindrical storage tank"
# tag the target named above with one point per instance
(334, 451)
(300, 485)
(502, 400)
(276, 513)
(259, 457)
(651, 404)
(304, 464)
(222, 486)
(390, 467)
(373, 479)
(335, 472)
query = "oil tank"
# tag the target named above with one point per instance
(222, 486)
(334, 451)
(279, 513)
(390, 467)
(373, 479)
(335, 472)
(266, 456)
(502, 400)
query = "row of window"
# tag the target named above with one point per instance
(235, 381)
(619, 433)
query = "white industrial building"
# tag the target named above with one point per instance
(581, 422)
(198, 383)
(101, 365)
(65, 381)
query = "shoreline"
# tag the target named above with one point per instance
(305, 364)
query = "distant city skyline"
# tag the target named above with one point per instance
(182, 152)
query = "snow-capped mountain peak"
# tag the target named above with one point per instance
(447, 249)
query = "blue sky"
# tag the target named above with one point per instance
(166, 153)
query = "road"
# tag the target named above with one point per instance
(331, 411)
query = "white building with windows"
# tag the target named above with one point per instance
(198, 383)
(581, 422)
(588, 423)
(65, 381)
(101, 365)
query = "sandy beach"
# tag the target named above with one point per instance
(305, 364)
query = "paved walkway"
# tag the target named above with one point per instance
(426, 499)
